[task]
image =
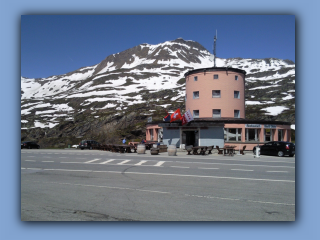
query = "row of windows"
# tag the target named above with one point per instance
(215, 94)
(234, 134)
(215, 76)
(216, 113)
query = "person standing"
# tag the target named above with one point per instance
(124, 141)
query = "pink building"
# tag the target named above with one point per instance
(215, 92)
(216, 98)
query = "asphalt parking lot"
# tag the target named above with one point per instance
(80, 185)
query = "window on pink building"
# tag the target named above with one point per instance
(232, 134)
(151, 134)
(280, 134)
(196, 95)
(252, 135)
(216, 113)
(216, 93)
(236, 113)
(195, 113)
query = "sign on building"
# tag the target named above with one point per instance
(270, 126)
(253, 125)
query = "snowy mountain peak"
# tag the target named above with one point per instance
(148, 74)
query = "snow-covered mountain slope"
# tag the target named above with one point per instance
(150, 75)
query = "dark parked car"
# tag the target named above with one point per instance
(88, 144)
(277, 148)
(29, 145)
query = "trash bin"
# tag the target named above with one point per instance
(69, 146)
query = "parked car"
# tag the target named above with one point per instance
(29, 145)
(277, 148)
(89, 144)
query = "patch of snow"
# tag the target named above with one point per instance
(287, 97)
(274, 110)
(263, 87)
(257, 102)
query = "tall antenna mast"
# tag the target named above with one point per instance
(214, 47)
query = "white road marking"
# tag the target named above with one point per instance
(240, 160)
(168, 174)
(111, 160)
(235, 199)
(160, 192)
(159, 163)
(278, 171)
(125, 161)
(141, 162)
(209, 168)
(236, 164)
(94, 160)
(179, 167)
(63, 157)
(30, 160)
(29, 156)
(247, 170)
(32, 168)
(47, 161)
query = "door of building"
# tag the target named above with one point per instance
(190, 138)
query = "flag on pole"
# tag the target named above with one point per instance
(175, 116)
(187, 117)
(167, 118)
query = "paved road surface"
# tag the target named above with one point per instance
(91, 185)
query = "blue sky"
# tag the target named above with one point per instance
(57, 44)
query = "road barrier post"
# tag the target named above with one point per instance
(257, 152)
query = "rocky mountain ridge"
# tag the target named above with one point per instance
(115, 97)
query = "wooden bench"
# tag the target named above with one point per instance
(154, 151)
(134, 147)
(203, 150)
(210, 148)
(189, 149)
(242, 151)
(220, 150)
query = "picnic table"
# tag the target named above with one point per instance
(203, 150)
(122, 148)
(229, 150)
(149, 144)
(134, 147)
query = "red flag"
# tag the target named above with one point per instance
(175, 116)
(184, 120)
